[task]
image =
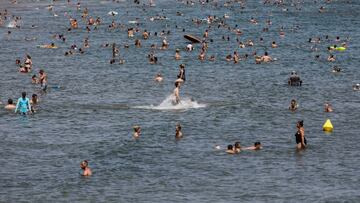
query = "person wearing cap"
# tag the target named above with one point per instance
(84, 165)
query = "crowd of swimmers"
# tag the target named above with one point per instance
(24, 105)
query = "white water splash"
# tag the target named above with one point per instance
(12, 24)
(167, 104)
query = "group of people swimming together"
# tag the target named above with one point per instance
(24, 105)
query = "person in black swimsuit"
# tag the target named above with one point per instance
(300, 135)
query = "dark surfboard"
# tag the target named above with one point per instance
(192, 38)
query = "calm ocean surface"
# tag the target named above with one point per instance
(92, 114)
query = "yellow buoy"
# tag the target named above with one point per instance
(328, 127)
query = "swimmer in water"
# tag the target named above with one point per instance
(137, 131)
(176, 93)
(293, 105)
(274, 45)
(10, 105)
(178, 133)
(159, 78)
(257, 146)
(300, 135)
(181, 74)
(23, 104)
(331, 58)
(34, 101)
(327, 107)
(27, 65)
(237, 147)
(230, 149)
(84, 165)
(336, 69)
(356, 87)
(266, 58)
(177, 54)
(189, 47)
(34, 80)
(43, 80)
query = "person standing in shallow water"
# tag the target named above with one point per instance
(23, 104)
(181, 74)
(176, 94)
(84, 165)
(300, 135)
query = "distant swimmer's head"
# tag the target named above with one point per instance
(10, 101)
(137, 128)
(41, 71)
(257, 145)
(178, 127)
(300, 123)
(177, 84)
(84, 164)
(237, 145)
(23, 94)
(229, 147)
(34, 96)
(266, 53)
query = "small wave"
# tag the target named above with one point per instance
(167, 104)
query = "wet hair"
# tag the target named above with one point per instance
(34, 95)
(23, 94)
(230, 147)
(41, 71)
(301, 123)
(257, 144)
(34, 76)
(10, 101)
(237, 145)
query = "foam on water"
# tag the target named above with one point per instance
(12, 24)
(167, 104)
